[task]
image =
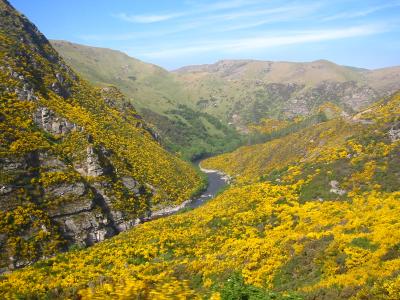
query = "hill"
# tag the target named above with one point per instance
(235, 92)
(311, 215)
(148, 85)
(338, 150)
(158, 96)
(243, 92)
(78, 164)
(312, 211)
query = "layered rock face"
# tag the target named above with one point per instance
(79, 208)
(77, 163)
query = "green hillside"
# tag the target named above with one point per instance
(242, 92)
(236, 92)
(149, 86)
(158, 96)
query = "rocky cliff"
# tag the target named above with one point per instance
(77, 164)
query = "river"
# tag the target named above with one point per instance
(216, 181)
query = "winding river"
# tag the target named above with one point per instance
(216, 181)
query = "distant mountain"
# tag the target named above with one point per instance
(77, 164)
(158, 96)
(282, 72)
(148, 85)
(238, 92)
(246, 91)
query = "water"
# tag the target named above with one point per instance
(216, 181)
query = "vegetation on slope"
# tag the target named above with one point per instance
(285, 236)
(250, 162)
(193, 134)
(158, 96)
(237, 93)
(49, 116)
(313, 214)
(368, 131)
(246, 91)
(119, 131)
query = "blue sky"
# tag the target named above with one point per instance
(174, 33)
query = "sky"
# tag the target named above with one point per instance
(175, 33)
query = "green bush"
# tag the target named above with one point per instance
(235, 288)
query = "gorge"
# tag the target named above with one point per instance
(240, 179)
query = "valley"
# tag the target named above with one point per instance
(158, 96)
(208, 109)
(237, 180)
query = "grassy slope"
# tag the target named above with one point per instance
(157, 95)
(239, 86)
(149, 86)
(238, 92)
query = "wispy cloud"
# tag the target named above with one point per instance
(137, 35)
(361, 13)
(222, 5)
(146, 18)
(270, 16)
(258, 12)
(239, 28)
(197, 9)
(218, 21)
(266, 41)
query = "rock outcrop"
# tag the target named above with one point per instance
(76, 162)
(335, 188)
(394, 132)
(46, 119)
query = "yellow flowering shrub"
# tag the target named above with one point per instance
(259, 230)
(314, 214)
(50, 115)
(275, 234)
